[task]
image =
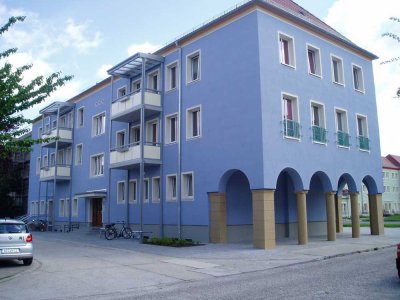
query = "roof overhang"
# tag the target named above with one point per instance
(133, 65)
(54, 107)
(92, 194)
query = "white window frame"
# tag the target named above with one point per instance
(92, 157)
(122, 92)
(168, 78)
(146, 190)
(341, 79)
(133, 85)
(75, 207)
(117, 138)
(95, 132)
(131, 137)
(80, 120)
(68, 156)
(189, 67)
(189, 122)
(61, 208)
(38, 165)
(295, 112)
(79, 156)
(42, 208)
(168, 128)
(40, 132)
(149, 131)
(291, 50)
(60, 157)
(134, 199)
(318, 63)
(170, 192)
(150, 81)
(66, 210)
(154, 197)
(121, 193)
(346, 124)
(45, 161)
(53, 124)
(185, 188)
(364, 117)
(359, 69)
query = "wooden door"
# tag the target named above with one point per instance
(97, 212)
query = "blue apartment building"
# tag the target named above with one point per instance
(244, 130)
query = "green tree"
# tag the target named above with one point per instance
(396, 38)
(16, 97)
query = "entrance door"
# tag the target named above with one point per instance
(97, 212)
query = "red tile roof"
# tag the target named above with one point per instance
(387, 164)
(394, 159)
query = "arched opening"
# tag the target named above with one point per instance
(288, 183)
(371, 204)
(347, 205)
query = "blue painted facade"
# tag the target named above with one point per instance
(241, 146)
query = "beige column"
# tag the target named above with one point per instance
(263, 219)
(302, 217)
(355, 216)
(376, 214)
(330, 216)
(339, 216)
(218, 229)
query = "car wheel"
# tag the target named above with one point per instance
(28, 261)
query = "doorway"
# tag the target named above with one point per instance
(97, 212)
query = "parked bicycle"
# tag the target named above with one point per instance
(111, 231)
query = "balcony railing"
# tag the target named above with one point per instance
(291, 129)
(130, 154)
(64, 134)
(128, 103)
(319, 134)
(55, 172)
(363, 143)
(343, 139)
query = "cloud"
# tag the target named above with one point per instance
(145, 47)
(364, 22)
(102, 71)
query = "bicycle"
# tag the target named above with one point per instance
(111, 231)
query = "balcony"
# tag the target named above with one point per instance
(128, 157)
(63, 136)
(363, 143)
(291, 129)
(343, 139)
(127, 108)
(57, 172)
(319, 134)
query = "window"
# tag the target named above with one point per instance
(171, 130)
(47, 128)
(318, 123)
(286, 50)
(171, 76)
(155, 193)
(67, 207)
(75, 207)
(314, 61)
(99, 124)
(121, 92)
(187, 185)
(153, 81)
(146, 190)
(337, 70)
(54, 124)
(193, 67)
(136, 86)
(78, 154)
(152, 132)
(132, 191)
(45, 161)
(120, 139)
(60, 157)
(171, 187)
(342, 132)
(358, 78)
(121, 192)
(53, 160)
(42, 207)
(134, 137)
(79, 118)
(40, 132)
(68, 156)
(38, 166)
(97, 165)
(291, 126)
(61, 209)
(193, 122)
(362, 131)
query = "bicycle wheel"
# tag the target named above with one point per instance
(110, 234)
(127, 233)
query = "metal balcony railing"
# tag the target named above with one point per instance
(343, 139)
(363, 143)
(319, 134)
(291, 129)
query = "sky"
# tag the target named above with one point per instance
(85, 38)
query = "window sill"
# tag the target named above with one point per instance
(360, 91)
(171, 143)
(188, 199)
(156, 201)
(338, 83)
(171, 199)
(343, 147)
(315, 75)
(188, 138)
(121, 203)
(171, 90)
(365, 150)
(96, 176)
(192, 81)
(290, 66)
(292, 138)
(101, 134)
(320, 143)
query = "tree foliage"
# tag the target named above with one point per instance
(16, 97)
(396, 38)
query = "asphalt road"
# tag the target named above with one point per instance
(370, 275)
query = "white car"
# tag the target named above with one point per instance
(15, 241)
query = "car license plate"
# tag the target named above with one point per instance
(8, 251)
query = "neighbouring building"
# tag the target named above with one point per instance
(246, 129)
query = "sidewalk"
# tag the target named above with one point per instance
(228, 259)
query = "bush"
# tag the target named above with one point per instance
(171, 242)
